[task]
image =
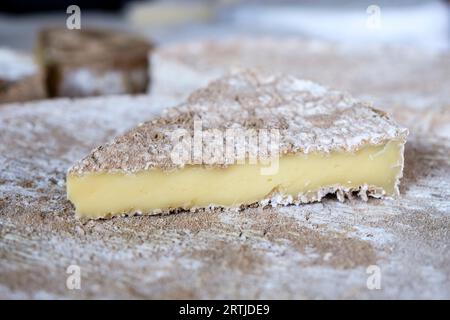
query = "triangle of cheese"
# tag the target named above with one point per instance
(245, 139)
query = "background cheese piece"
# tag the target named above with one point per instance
(181, 67)
(92, 61)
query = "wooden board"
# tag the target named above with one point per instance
(319, 250)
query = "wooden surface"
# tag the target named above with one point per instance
(319, 250)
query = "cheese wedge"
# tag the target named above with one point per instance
(245, 139)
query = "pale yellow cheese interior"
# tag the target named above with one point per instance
(100, 194)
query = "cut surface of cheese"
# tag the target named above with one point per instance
(197, 186)
(326, 143)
